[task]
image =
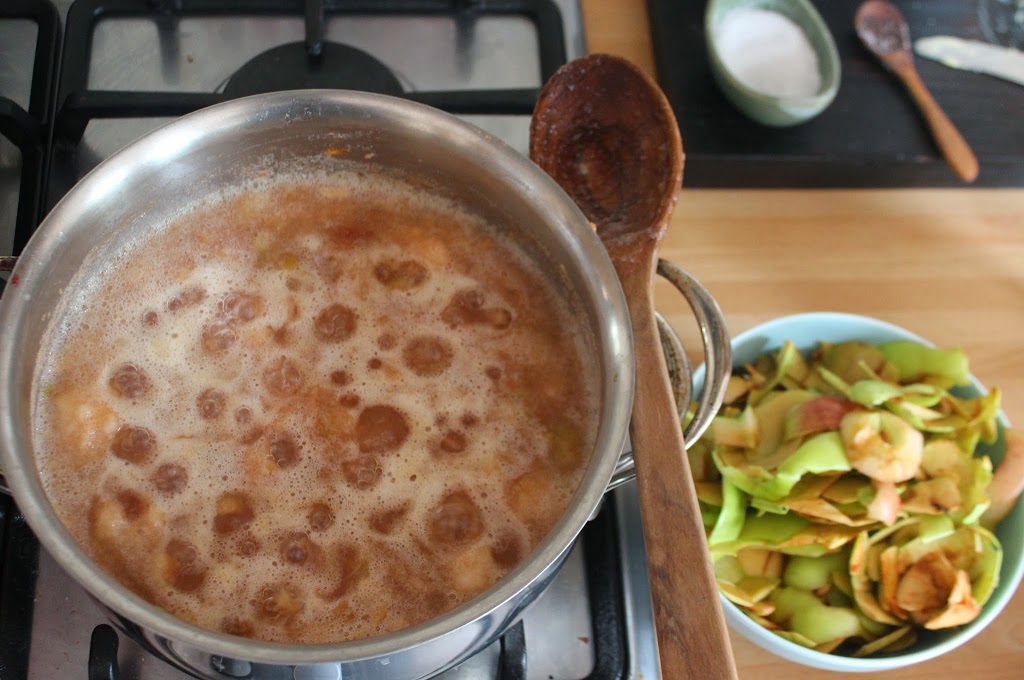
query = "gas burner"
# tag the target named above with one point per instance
(291, 67)
(315, 63)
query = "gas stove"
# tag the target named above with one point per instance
(128, 66)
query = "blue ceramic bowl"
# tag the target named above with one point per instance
(806, 331)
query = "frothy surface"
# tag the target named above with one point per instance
(315, 412)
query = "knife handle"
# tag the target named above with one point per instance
(952, 144)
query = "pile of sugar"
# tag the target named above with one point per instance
(768, 53)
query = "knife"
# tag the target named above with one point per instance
(974, 55)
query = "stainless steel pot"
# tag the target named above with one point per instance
(139, 188)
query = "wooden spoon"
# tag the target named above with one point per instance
(604, 131)
(884, 31)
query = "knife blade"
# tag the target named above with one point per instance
(974, 55)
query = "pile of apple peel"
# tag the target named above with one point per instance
(844, 501)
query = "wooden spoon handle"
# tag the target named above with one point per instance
(692, 639)
(952, 144)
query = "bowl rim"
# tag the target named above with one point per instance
(791, 651)
(820, 99)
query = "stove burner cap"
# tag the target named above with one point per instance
(289, 67)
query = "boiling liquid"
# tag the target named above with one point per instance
(315, 412)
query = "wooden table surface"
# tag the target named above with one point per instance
(946, 264)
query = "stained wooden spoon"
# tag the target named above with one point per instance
(884, 31)
(604, 131)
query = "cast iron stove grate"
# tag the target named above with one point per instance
(29, 130)
(308, 64)
(19, 552)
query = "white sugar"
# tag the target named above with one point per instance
(768, 52)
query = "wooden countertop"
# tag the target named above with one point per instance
(946, 264)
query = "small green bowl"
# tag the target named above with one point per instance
(763, 108)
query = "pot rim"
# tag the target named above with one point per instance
(516, 170)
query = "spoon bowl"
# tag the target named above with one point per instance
(881, 27)
(617, 161)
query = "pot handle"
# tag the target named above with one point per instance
(7, 263)
(717, 363)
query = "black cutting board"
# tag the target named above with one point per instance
(871, 135)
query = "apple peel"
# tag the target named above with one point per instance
(843, 500)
